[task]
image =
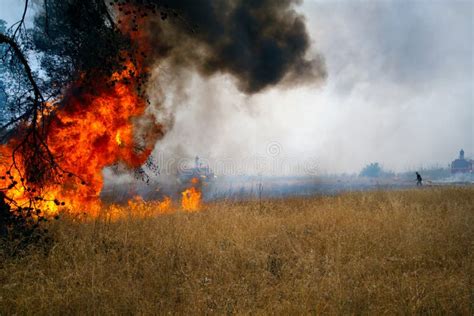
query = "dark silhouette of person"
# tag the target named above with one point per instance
(418, 179)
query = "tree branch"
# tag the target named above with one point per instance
(4, 39)
(21, 22)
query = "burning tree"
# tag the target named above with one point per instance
(84, 105)
(82, 113)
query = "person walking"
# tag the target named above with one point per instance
(419, 180)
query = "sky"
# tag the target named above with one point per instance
(399, 92)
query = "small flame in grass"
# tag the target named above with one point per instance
(164, 206)
(191, 200)
(141, 208)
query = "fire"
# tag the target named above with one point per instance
(118, 139)
(191, 198)
(139, 207)
(94, 126)
(16, 189)
(90, 131)
(165, 205)
(85, 137)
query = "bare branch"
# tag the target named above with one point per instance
(21, 57)
(22, 20)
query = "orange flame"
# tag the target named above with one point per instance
(91, 131)
(95, 127)
(191, 198)
(164, 206)
(16, 189)
(118, 139)
(139, 207)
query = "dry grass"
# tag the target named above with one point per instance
(397, 252)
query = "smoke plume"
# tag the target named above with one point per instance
(259, 42)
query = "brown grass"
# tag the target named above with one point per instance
(397, 252)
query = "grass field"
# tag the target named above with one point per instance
(378, 252)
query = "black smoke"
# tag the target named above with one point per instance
(260, 42)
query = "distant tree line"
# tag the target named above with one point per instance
(375, 170)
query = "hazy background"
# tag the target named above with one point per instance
(399, 91)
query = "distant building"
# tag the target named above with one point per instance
(461, 165)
